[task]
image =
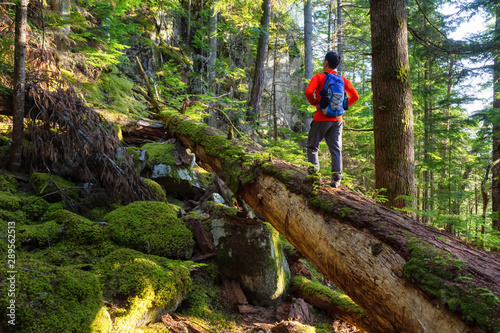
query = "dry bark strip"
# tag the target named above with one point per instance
(359, 245)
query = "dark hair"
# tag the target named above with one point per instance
(333, 60)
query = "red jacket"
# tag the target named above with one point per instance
(316, 84)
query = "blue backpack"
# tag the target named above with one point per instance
(333, 100)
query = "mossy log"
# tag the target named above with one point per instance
(406, 276)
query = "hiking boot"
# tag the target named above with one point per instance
(313, 171)
(335, 183)
(336, 178)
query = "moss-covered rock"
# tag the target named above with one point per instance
(34, 207)
(206, 303)
(9, 201)
(156, 188)
(142, 287)
(8, 183)
(265, 275)
(66, 253)
(151, 227)
(61, 225)
(176, 179)
(57, 187)
(51, 299)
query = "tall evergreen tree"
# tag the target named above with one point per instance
(19, 84)
(258, 78)
(392, 101)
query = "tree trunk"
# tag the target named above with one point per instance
(391, 266)
(212, 38)
(308, 50)
(427, 141)
(392, 101)
(339, 34)
(258, 79)
(275, 62)
(330, 23)
(19, 85)
(495, 200)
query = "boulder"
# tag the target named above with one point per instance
(265, 274)
(151, 227)
(52, 299)
(53, 188)
(141, 288)
(172, 167)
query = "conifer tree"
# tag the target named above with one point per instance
(392, 101)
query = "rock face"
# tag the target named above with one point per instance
(252, 255)
(151, 227)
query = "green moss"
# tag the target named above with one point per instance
(439, 274)
(156, 188)
(206, 178)
(321, 203)
(151, 227)
(118, 95)
(174, 53)
(205, 301)
(66, 253)
(333, 297)
(40, 236)
(402, 73)
(218, 210)
(8, 183)
(97, 213)
(34, 207)
(52, 299)
(235, 162)
(75, 228)
(44, 183)
(61, 225)
(159, 153)
(9, 201)
(5, 144)
(142, 287)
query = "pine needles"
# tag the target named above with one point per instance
(69, 139)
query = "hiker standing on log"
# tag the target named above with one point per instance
(334, 94)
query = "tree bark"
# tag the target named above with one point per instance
(308, 50)
(212, 37)
(339, 34)
(392, 101)
(495, 200)
(367, 250)
(19, 85)
(308, 32)
(258, 79)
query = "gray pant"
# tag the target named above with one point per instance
(331, 131)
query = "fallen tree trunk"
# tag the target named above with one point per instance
(406, 276)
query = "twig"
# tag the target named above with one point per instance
(148, 86)
(359, 130)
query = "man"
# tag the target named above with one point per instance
(323, 127)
